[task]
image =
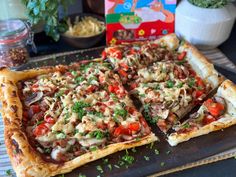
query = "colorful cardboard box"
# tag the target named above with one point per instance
(135, 20)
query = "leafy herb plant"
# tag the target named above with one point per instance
(209, 3)
(47, 11)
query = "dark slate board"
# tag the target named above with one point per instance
(169, 157)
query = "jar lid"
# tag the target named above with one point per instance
(12, 31)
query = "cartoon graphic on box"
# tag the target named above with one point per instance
(134, 20)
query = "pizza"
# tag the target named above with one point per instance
(169, 81)
(214, 114)
(59, 118)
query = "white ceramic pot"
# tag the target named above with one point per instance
(203, 27)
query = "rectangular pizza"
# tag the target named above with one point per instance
(59, 118)
(214, 114)
(171, 77)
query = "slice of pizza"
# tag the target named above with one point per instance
(59, 118)
(169, 89)
(127, 59)
(215, 113)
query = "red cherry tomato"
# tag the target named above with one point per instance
(41, 129)
(124, 66)
(200, 82)
(121, 130)
(199, 93)
(135, 126)
(133, 85)
(49, 119)
(35, 108)
(182, 55)
(214, 108)
(208, 119)
(122, 73)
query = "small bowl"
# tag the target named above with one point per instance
(83, 42)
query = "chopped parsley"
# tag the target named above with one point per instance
(167, 152)
(91, 79)
(191, 82)
(162, 164)
(81, 175)
(146, 112)
(105, 161)
(157, 152)
(109, 166)
(39, 122)
(181, 62)
(93, 148)
(60, 135)
(85, 67)
(154, 120)
(157, 87)
(151, 145)
(114, 97)
(96, 113)
(180, 85)
(186, 125)
(127, 158)
(79, 79)
(120, 112)
(78, 108)
(99, 168)
(47, 150)
(59, 94)
(74, 73)
(146, 158)
(170, 84)
(133, 150)
(98, 134)
(142, 95)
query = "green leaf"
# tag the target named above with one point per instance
(36, 10)
(31, 5)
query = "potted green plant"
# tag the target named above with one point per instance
(206, 24)
(46, 11)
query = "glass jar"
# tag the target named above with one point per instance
(14, 37)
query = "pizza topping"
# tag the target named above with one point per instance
(79, 109)
(215, 108)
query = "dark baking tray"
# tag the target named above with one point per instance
(169, 157)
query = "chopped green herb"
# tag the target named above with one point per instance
(142, 95)
(137, 139)
(74, 73)
(96, 113)
(93, 148)
(154, 120)
(99, 168)
(146, 112)
(146, 158)
(133, 150)
(39, 122)
(114, 97)
(127, 158)
(105, 161)
(98, 134)
(157, 152)
(186, 125)
(181, 62)
(47, 150)
(191, 82)
(109, 166)
(59, 94)
(60, 135)
(167, 152)
(79, 79)
(120, 112)
(85, 67)
(157, 87)
(162, 164)
(9, 172)
(81, 175)
(121, 163)
(62, 175)
(78, 108)
(180, 85)
(117, 166)
(170, 84)
(91, 79)
(76, 131)
(151, 145)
